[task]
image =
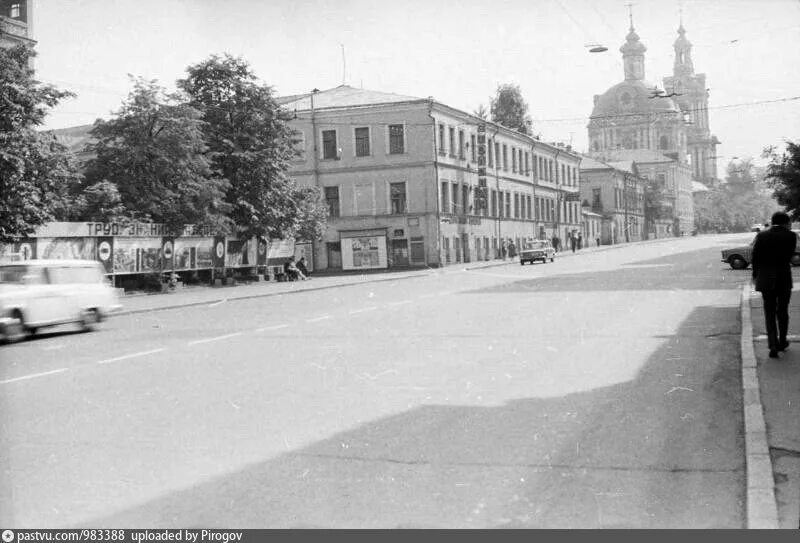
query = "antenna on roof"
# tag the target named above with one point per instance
(344, 66)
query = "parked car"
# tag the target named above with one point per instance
(537, 250)
(740, 257)
(39, 293)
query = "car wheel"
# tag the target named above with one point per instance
(796, 259)
(521, 262)
(552, 259)
(89, 319)
(15, 332)
(737, 262)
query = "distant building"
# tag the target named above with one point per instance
(414, 182)
(16, 22)
(665, 132)
(615, 192)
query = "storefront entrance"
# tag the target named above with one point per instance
(400, 252)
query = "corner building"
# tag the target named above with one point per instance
(414, 182)
(665, 132)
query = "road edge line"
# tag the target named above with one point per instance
(762, 506)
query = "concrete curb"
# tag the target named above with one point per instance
(762, 506)
(411, 275)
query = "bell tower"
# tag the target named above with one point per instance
(691, 94)
(633, 53)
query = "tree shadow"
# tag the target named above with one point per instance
(663, 450)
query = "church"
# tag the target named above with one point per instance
(664, 132)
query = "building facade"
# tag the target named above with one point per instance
(16, 23)
(615, 192)
(414, 182)
(665, 133)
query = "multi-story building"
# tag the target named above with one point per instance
(414, 182)
(665, 133)
(615, 191)
(16, 22)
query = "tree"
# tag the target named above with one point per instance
(783, 175)
(734, 205)
(151, 160)
(100, 202)
(654, 206)
(34, 167)
(510, 109)
(481, 112)
(251, 145)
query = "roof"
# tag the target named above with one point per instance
(343, 96)
(75, 138)
(631, 97)
(589, 163)
(624, 165)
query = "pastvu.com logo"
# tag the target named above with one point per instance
(8, 536)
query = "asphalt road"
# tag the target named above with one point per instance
(599, 391)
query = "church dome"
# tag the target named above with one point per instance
(631, 97)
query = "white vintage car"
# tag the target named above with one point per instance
(39, 293)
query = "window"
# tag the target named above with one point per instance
(464, 199)
(445, 197)
(497, 154)
(516, 205)
(505, 157)
(329, 144)
(494, 203)
(527, 164)
(564, 179)
(461, 144)
(441, 139)
(530, 211)
(397, 194)
(452, 134)
(508, 204)
(519, 161)
(491, 154)
(14, 11)
(332, 199)
(455, 198)
(596, 203)
(663, 143)
(513, 160)
(472, 148)
(500, 203)
(362, 141)
(299, 143)
(397, 139)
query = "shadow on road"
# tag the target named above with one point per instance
(663, 450)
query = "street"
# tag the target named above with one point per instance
(600, 391)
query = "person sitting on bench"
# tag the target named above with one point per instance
(291, 271)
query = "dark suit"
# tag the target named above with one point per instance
(772, 273)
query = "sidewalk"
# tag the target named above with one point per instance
(776, 394)
(203, 294)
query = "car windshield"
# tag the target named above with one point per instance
(536, 245)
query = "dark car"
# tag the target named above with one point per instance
(537, 250)
(740, 257)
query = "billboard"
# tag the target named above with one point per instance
(365, 252)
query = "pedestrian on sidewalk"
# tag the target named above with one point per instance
(573, 241)
(597, 239)
(772, 275)
(556, 243)
(512, 250)
(580, 240)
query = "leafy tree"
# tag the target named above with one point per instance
(737, 203)
(783, 175)
(510, 109)
(251, 145)
(34, 167)
(151, 159)
(100, 202)
(654, 206)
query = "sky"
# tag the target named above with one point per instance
(456, 52)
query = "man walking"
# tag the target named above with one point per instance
(772, 274)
